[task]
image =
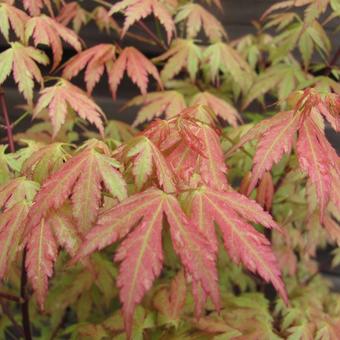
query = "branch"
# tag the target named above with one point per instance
(25, 306)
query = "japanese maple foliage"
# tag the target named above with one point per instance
(203, 216)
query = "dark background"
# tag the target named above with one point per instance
(237, 18)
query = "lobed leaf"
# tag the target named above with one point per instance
(61, 97)
(135, 10)
(137, 67)
(48, 31)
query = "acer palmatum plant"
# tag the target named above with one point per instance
(174, 228)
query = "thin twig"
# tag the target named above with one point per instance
(333, 62)
(11, 297)
(7, 121)
(8, 313)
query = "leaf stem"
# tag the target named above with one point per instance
(8, 125)
(153, 36)
(23, 116)
(134, 35)
(241, 147)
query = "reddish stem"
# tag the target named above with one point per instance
(151, 34)
(25, 302)
(10, 297)
(26, 324)
(8, 125)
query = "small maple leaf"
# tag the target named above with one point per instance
(95, 60)
(265, 191)
(220, 57)
(104, 21)
(137, 67)
(141, 254)
(135, 10)
(48, 31)
(191, 144)
(22, 61)
(244, 244)
(197, 18)
(222, 108)
(181, 54)
(145, 156)
(155, 104)
(82, 178)
(14, 17)
(170, 301)
(35, 7)
(44, 162)
(61, 97)
(73, 12)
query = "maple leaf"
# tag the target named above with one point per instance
(55, 229)
(82, 178)
(141, 253)
(135, 10)
(314, 161)
(265, 191)
(283, 78)
(222, 108)
(73, 12)
(155, 104)
(181, 54)
(316, 156)
(61, 97)
(17, 190)
(94, 60)
(35, 6)
(244, 244)
(15, 199)
(220, 57)
(197, 18)
(137, 67)
(14, 17)
(104, 21)
(145, 156)
(275, 142)
(44, 162)
(22, 61)
(211, 164)
(191, 145)
(170, 301)
(48, 31)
